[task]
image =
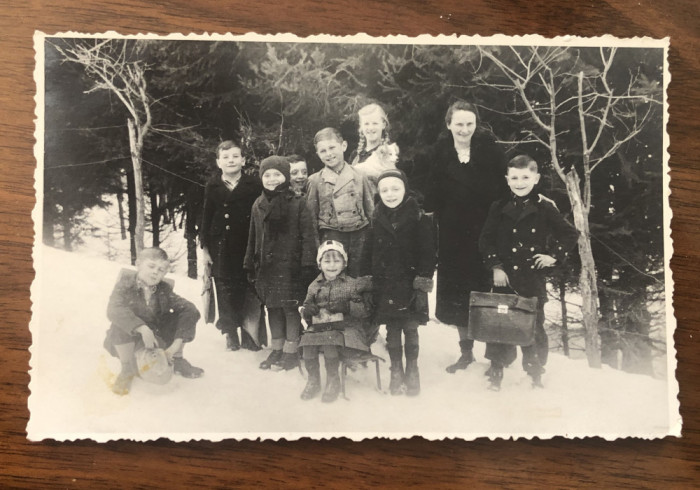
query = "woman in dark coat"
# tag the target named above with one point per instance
(403, 264)
(460, 177)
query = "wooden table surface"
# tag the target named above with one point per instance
(339, 463)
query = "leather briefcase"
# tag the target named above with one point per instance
(502, 318)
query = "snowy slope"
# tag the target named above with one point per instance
(72, 373)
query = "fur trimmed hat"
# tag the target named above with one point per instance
(331, 245)
(277, 163)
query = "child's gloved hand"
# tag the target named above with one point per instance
(338, 307)
(149, 338)
(500, 278)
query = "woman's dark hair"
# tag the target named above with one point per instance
(461, 105)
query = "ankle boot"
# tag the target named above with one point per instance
(272, 359)
(313, 384)
(464, 360)
(332, 390)
(232, 342)
(122, 384)
(397, 374)
(412, 374)
(495, 376)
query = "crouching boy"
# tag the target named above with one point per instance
(523, 236)
(146, 313)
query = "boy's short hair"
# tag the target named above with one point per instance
(295, 159)
(523, 161)
(328, 134)
(153, 253)
(227, 145)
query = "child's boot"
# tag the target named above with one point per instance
(272, 359)
(465, 359)
(182, 367)
(495, 374)
(122, 384)
(313, 384)
(290, 357)
(397, 374)
(536, 374)
(412, 374)
(332, 390)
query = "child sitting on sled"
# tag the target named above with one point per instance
(147, 314)
(335, 311)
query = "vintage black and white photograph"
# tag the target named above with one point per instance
(275, 237)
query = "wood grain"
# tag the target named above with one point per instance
(340, 463)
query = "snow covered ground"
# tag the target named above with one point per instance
(72, 373)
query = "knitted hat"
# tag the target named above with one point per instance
(394, 172)
(277, 163)
(331, 245)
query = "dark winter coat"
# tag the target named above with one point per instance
(399, 254)
(277, 251)
(168, 315)
(460, 196)
(515, 231)
(225, 224)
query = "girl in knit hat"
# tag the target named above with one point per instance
(280, 259)
(403, 263)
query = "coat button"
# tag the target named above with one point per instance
(533, 230)
(515, 267)
(532, 267)
(391, 301)
(226, 215)
(515, 230)
(225, 205)
(532, 249)
(515, 249)
(228, 227)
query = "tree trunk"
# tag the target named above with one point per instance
(587, 280)
(135, 147)
(131, 194)
(120, 205)
(155, 218)
(66, 225)
(564, 316)
(191, 236)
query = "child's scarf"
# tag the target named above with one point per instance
(279, 209)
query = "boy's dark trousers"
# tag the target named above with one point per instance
(230, 297)
(534, 356)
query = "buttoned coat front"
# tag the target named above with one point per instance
(515, 232)
(226, 222)
(277, 252)
(398, 256)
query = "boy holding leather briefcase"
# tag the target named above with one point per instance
(524, 235)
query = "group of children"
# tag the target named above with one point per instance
(367, 235)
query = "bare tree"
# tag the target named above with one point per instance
(553, 87)
(109, 65)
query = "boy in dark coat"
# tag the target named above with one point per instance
(280, 259)
(228, 199)
(522, 237)
(403, 264)
(146, 313)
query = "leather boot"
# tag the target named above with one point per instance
(122, 384)
(495, 376)
(272, 359)
(464, 360)
(313, 383)
(397, 374)
(332, 390)
(232, 342)
(412, 374)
